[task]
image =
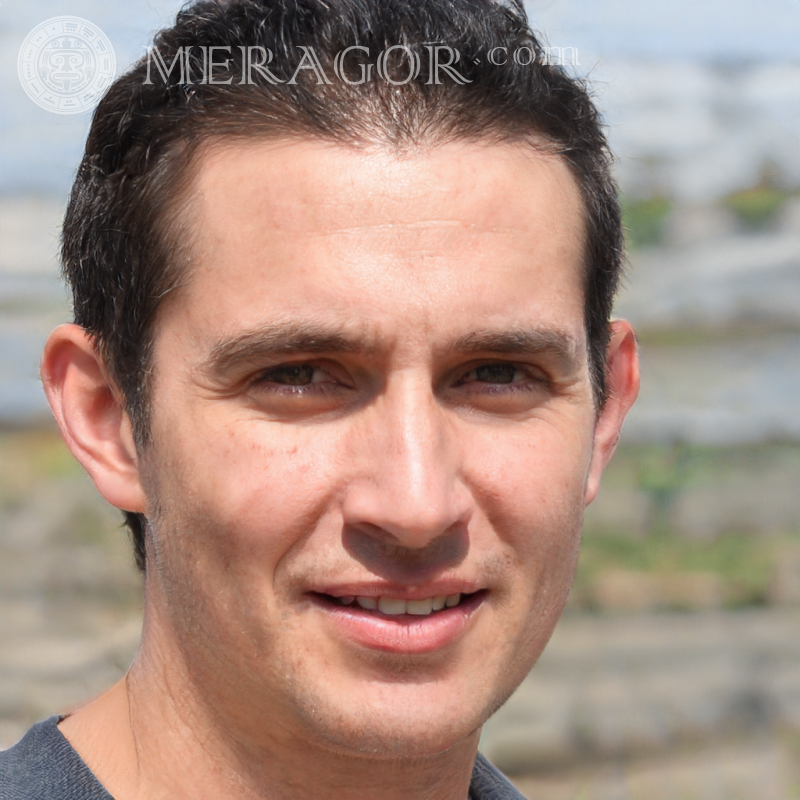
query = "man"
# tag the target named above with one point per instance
(342, 355)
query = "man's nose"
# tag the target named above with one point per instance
(408, 490)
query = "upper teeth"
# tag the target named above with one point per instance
(394, 605)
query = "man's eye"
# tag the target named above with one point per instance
(301, 388)
(495, 373)
(292, 375)
(498, 373)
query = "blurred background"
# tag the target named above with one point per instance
(675, 672)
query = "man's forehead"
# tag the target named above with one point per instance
(287, 205)
(383, 185)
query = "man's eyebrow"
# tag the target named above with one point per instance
(550, 342)
(284, 339)
(291, 338)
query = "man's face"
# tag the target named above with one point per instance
(372, 391)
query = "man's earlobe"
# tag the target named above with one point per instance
(622, 387)
(89, 412)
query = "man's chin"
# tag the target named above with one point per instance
(383, 735)
(402, 745)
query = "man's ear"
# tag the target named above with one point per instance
(89, 411)
(622, 387)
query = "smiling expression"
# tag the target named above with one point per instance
(372, 438)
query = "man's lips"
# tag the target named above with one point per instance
(374, 589)
(397, 624)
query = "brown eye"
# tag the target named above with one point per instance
(495, 373)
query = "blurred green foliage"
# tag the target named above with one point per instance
(644, 220)
(662, 473)
(28, 457)
(756, 207)
(650, 560)
(743, 562)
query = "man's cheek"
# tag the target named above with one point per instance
(536, 482)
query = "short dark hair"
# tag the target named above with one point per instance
(122, 251)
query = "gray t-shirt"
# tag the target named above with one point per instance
(43, 765)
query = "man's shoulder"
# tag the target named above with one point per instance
(488, 783)
(44, 764)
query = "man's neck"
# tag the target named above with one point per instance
(146, 739)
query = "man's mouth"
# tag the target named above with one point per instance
(414, 625)
(396, 606)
